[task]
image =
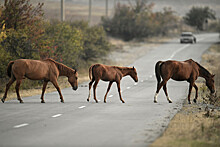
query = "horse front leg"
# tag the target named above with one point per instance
(109, 86)
(58, 89)
(43, 91)
(196, 96)
(119, 91)
(17, 87)
(190, 89)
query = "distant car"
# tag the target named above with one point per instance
(187, 37)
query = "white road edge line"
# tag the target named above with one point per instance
(57, 115)
(81, 107)
(21, 125)
(178, 50)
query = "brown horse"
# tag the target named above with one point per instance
(188, 70)
(111, 74)
(47, 70)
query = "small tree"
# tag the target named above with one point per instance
(24, 25)
(197, 16)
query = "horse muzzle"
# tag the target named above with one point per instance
(212, 92)
(75, 87)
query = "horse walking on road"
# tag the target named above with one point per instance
(188, 70)
(111, 74)
(46, 70)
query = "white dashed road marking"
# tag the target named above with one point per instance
(81, 107)
(21, 125)
(57, 115)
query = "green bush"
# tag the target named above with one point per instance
(62, 43)
(198, 16)
(139, 21)
(74, 43)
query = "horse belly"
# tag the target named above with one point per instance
(37, 73)
(180, 77)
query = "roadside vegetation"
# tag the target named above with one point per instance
(197, 125)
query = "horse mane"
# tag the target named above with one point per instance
(121, 68)
(60, 66)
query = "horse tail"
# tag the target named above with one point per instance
(90, 72)
(9, 68)
(157, 71)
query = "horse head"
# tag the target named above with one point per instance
(133, 74)
(73, 80)
(210, 83)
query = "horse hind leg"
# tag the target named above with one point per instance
(17, 87)
(165, 91)
(8, 85)
(159, 86)
(94, 90)
(90, 86)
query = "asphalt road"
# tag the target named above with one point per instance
(80, 123)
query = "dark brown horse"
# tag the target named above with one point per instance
(47, 70)
(111, 74)
(188, 70)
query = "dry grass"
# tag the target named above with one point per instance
(197, 125)
(191, 127)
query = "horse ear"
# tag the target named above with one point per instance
(75, 71)
(133, 67)
(213, 75)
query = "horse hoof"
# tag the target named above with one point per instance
(123, 101)
(42, 101)
(87, 100)
(189, 102)
(3, 101)
(96, 101)
(155, 101)
(21, 101)
(194, 100)
(170, 101)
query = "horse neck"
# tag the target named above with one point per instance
(203, 72)
(63, 70)
(124, 70)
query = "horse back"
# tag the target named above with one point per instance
(34, 69)
(105, 72)
(179, 70)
